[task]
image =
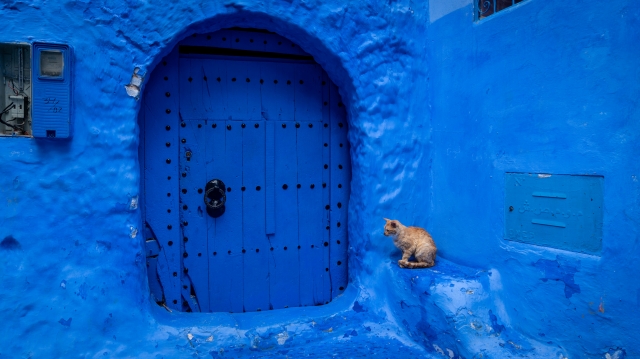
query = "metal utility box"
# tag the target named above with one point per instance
(15, 92)
(559, 211)
(51, 90)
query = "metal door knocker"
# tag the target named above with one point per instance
(215, 196)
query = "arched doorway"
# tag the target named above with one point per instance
(253, 111)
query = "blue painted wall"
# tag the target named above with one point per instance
(440, 108)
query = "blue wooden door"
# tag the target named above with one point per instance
(274, 132)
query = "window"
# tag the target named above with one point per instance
(487, 8)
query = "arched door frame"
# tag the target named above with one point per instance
(176, 225)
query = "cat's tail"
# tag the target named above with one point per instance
(412, 265)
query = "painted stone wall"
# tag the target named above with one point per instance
(440, 107)
(543, 87)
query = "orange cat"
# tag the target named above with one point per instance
(412, 241)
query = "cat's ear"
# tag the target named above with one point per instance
(386, 219)
(393, 225)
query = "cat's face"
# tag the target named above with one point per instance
(391, 227)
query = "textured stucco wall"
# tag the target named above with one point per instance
(439, 107)
(543, 87)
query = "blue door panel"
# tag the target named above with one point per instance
(241, 40)
(193, 178)
(276, 96)
(237, 90)
(161, 198)
(222, 38)
(215, 71)
(246, 40)
(277, 43)
(191, 79)
(340, 183)
(256, 244)
(308, 92)
(310, 213)
(252, 80)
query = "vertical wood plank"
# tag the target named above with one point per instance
(253, 86)
(214, 92)
(194, 99)
(277, 97)
(237, 88)
(256, 244)
(341, 182)
(310, 212)
(270, 190)
(308, 92)
(326, 187)
(228, 284)
(284, 260)
(193, 178)
(219, 260)
(161, 165)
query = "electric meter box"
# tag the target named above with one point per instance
(51, 101)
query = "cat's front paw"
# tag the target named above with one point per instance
(401, 263)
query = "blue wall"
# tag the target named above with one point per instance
(440, 108)
(543, 87)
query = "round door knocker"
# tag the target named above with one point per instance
(215, 196)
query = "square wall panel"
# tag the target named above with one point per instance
(559, 211)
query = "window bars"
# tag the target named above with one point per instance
(485, 8)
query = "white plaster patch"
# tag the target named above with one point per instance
(133, 88)
(134, 232)
(451, 354)
(438, 349)
(440, 8)
(282, 337)
(476, 325)
(616, 355)
(543, 175)
(133, 203)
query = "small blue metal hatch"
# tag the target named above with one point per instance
(559, 211)
(247, 176)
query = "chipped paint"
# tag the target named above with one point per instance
(282, 338)
(133, 88)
